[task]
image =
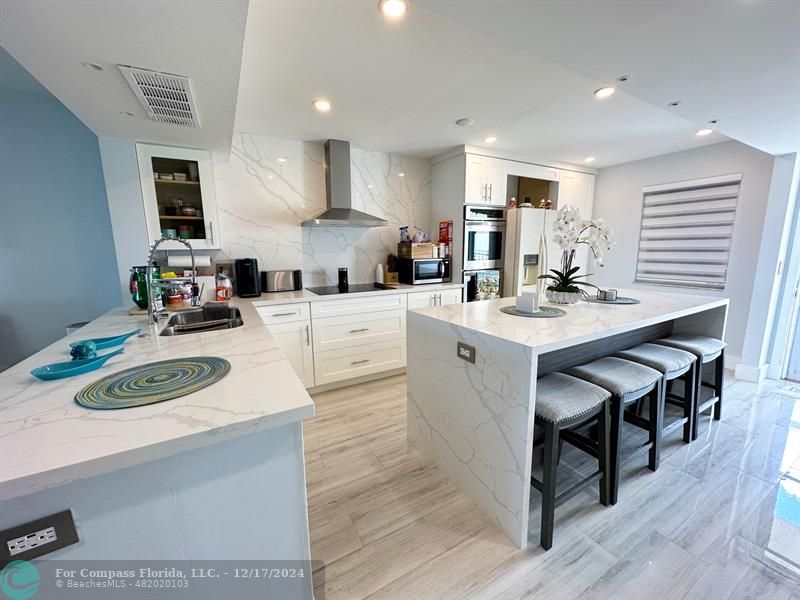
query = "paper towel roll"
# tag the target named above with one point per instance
(203, 260)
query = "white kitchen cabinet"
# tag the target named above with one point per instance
(485, 180)
(183, 206)
(357, 361)
(295, 340)
(343, 331)
(577, 189)
(434, 298)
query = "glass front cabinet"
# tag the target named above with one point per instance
(179, 198)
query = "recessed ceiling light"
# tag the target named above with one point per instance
(604, 92)
(394, 9)
(92, 66)
(401, 174)
(464, 122)
(704, 131)
(281, 159)
(322, 104)
(589, 159)
(490, 139)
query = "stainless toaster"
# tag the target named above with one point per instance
(281, 281)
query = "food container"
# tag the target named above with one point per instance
(166, 176)
(179, 176)
(169, 233)
(607, 295)
(188, 211)
(414, 250)
(185, 232)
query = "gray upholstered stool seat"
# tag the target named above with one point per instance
(707, 350)
(628, 382)
(699, 345)
(565, 404)
(674, 363)
(618, 376)
(560, 397)
(666, 359)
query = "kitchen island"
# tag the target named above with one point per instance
(472, 374)
(217, 474)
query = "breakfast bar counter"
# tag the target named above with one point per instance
(472, 373)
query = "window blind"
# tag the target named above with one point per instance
(686, 232)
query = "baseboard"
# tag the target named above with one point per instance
(751, 373)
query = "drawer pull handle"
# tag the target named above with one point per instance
(359, 330)
(289, 314)
(360, 362)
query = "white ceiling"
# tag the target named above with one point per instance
(202, 40)
(735, 60)
(400, 87)
(524, 71)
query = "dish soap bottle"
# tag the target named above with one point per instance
(224, 286)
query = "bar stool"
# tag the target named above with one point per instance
(628, 382)
(707, 350)
(563, 403)
(673, 364)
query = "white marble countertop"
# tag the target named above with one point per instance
(305, 295)
(583, 322)
(46, 439)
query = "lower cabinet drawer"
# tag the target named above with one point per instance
(331, 333)
(347, 363)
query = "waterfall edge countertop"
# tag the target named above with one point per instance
(47, 439)
(583, 322)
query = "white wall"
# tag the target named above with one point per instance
(618, 198)
(262, 203)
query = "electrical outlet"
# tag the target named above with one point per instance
(32, 540)
(38, 537)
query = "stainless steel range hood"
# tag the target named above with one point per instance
(340, 212)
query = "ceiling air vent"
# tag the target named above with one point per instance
(165, 97)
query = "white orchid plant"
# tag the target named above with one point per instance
(570, 232)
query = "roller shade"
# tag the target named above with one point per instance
(686, 232)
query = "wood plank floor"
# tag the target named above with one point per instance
(719, 519)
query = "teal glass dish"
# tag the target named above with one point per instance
(72, 367)
(106, 342)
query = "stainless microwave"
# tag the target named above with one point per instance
(414, 271)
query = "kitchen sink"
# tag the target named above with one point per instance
(210, 317)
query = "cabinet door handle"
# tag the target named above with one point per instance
(360, 362)
(211, 231)
(308, 337)
(359, 330)
(490, 192)
(289, 314)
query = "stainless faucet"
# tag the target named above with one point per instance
(152, 315)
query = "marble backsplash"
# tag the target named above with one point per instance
(270, 185)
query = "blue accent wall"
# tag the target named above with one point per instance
(57, 260)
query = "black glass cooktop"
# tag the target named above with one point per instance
(354, 287)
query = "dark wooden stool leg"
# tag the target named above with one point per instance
(604, 459)
(549, 484)
(615, 446)
(719, 374)
(698, 386)
(656, 423)
(689, 405)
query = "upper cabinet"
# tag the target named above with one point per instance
(576, 189)
(179, 198)
(486, 180)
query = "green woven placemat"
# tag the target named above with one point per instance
(153, 382)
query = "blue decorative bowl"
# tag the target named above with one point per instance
(73, 367)
(107, 342)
